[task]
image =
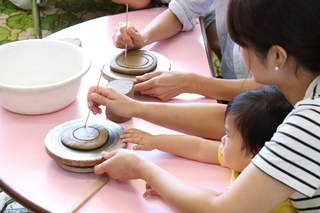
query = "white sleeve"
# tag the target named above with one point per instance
(189, 10)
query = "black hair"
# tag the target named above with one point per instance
(257, 114)
(292, 24)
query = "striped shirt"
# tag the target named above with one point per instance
(292, 156)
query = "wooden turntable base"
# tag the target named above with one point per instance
(76, 160)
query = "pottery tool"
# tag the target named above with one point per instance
(89, 193)
(96, 91)
(126, 45)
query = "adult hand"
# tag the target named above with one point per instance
(145, 141)
(162, 84)
(129, 35)
(116, 102)
(122, 164)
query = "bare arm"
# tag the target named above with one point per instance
(220, 89)
(164, 26)
(166, 85)
(190, 147)
(254, 191)
(186, 146)
(190, 118)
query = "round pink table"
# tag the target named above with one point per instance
(29, 175)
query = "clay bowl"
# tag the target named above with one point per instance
(40, 76)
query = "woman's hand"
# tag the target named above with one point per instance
(162, 84)
(129, 35)
(116, 102)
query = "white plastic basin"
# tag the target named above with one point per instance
(40, 76)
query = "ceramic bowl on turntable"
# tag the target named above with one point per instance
(40, 76)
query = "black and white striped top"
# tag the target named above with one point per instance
(292, 156)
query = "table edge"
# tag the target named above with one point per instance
(9, 190)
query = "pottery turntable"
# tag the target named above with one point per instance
(78, 148)
(137, 62)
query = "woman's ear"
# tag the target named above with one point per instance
(277, 57)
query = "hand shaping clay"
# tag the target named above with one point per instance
(124, 87)
(85, 138)
(137, 62)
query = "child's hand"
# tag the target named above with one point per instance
(144, 140)
(150, 191)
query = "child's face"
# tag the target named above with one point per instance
(235, 156)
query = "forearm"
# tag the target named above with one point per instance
(199, 119)
(191, 147)
(162, 27)
(217, 88)
(183, 196)
(262, 192)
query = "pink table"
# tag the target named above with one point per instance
(33, 178)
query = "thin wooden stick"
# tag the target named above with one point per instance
(96, 91)
(126, 46)
(88, 194)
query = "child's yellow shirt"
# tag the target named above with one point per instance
(285, 207)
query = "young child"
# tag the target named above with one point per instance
(251, 119)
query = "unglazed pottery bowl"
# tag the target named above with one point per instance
(40, 76)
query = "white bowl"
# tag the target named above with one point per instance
(40, 76)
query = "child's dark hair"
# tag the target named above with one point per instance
(257, 114)
(294, 25)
